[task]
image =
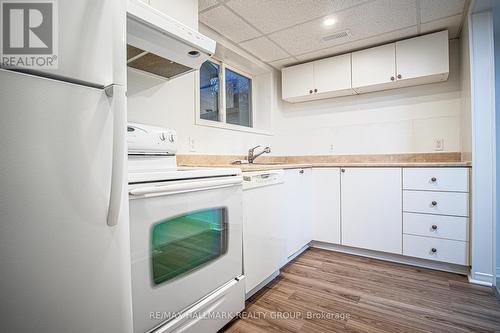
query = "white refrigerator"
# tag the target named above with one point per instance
(64, 232)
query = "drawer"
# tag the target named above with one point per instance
(440, 226)
(444, 203)
(436, 179)
(450, 251)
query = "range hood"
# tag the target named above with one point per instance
(162, 46)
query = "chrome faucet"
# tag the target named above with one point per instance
(252, 156)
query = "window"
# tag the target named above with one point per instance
(238, 99)
(225, 95)
(209, 91)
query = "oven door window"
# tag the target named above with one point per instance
(183, 243)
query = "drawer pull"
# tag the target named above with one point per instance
(434, 203)
(434, 250)
(433, 179)
(434, 227)
(301, 171)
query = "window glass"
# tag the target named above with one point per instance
(238, 99)
(183, 243)
(209, 91)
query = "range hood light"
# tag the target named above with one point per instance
(194, 54)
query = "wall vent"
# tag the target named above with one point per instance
(337, 35)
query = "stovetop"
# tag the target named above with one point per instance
(145, 169)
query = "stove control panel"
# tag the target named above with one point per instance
(150, 140)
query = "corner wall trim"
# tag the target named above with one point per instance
(481, 279)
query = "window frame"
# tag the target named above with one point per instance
(222, 102)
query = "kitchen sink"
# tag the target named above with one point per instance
(266, 163)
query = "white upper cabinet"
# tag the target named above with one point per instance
(374, 69)
(324, 78)
(332, 77)
(422, 59)
(414, 61)
(297, 81)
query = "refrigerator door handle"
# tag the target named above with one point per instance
(109, 90)
(118, 161)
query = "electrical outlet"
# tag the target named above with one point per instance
(439, 144)
(192, 145)
(332, 148)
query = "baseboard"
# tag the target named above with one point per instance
(296, 254)
(261, 285)
(483, 279)
(458, 269)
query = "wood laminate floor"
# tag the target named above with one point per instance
(324, 291)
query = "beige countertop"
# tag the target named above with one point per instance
(272, 163)
(261, 167)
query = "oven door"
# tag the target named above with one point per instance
(186, 241)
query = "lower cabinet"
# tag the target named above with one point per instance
(264, 242)
(372, 208)
(326, 205)
(297, 214)
(437, 249)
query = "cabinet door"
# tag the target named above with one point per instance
(326, 205)
(372, 208)
(297, 209)
(297, 81)
(264, 242)
(332, 77)
(422, 59)
(374, 69)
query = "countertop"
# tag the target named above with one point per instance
(429, 160)
(262, 167)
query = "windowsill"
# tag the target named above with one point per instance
(232, 127)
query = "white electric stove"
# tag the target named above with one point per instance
(185, 238)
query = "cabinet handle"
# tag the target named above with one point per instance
(433, 179)
(399, 76)
(301, 171)
(434, 227)
(392, 78)
(342, 170)
(310, 91)
(434, 203)
(434, 250)
(315, 90)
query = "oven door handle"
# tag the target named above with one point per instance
(181, 187)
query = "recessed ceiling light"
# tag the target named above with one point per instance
(329, 21)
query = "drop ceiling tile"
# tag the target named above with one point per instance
(228, 24)
(363, 22)
(279, 64)
(360, 44)
(272, 15)
(264, 49)
(435, 9)
(451, 23)
(204, 4)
